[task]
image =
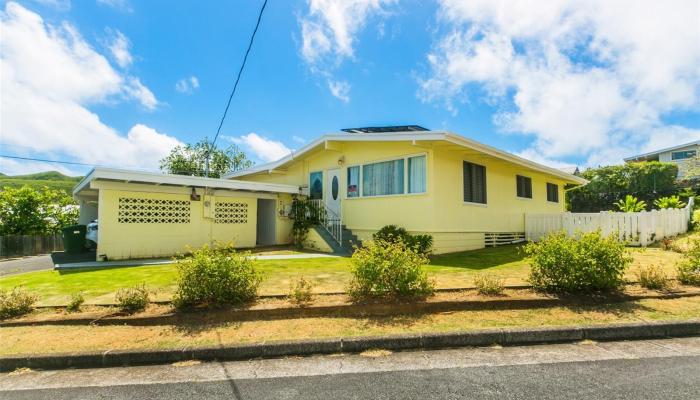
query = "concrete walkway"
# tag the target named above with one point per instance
(161, 261)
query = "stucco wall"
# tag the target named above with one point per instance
(124, 240)
(440, 211)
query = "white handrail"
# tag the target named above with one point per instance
(328, 219)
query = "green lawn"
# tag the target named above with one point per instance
(329, 274)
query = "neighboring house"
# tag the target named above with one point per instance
(683, 155)
(464, 193)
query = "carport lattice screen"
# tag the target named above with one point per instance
(230, 213)
(137, 210)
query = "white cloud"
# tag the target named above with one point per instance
(263, 149)
(340, 90)
(17, 167)
(44, 110)
(329, 31)
(298, 139)
(137, 90)
(121, 5)
(120, 49)
(589, 79)
(61, 5)
(187, 85)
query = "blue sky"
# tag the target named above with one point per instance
(119, 82)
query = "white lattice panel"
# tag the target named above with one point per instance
(231, 213)
(137, 210)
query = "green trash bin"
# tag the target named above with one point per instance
(74, 239)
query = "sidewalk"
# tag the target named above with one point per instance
(161, 261)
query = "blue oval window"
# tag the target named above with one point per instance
(334, 188)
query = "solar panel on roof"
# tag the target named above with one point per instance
(385, 129)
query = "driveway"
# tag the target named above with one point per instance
(26, 264)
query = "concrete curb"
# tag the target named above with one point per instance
(350, 310)
(506, 337)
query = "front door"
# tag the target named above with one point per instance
(332, 190)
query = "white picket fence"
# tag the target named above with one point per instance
(637, 229)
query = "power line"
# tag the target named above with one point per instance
(235, 85)
(177, 171)
(49, 161)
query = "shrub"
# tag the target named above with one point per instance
(653, 277)
(300, 291)
(489, 284)
(389, 269)
(393, 233)
(211, 277)
(669, 202)
(696, 218)
(16, 302)
(76, 300)
(688, 269)
(631, 204)
(588, 262)
(133, 299)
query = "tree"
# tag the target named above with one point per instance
(29, 211)
(607, 185)
(191, 160)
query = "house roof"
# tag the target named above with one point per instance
(657, 152)
(411, 136)
(131, 176)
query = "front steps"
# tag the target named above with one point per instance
(345, 248)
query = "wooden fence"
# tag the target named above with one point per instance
(29, 245)
(638, 229)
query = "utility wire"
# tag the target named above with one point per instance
(235, 85)
(177, 171)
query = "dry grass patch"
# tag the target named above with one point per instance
(32, 340)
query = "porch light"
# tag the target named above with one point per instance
(341, 160)
(194, 196)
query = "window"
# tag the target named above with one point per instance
(474, 184)
(383, 178)
(353, 181)
(682, 155)
(524, 186)
(416, 174)
(552, 192)
(316, 185)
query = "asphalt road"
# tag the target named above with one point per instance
(25, 264)
(658, 369)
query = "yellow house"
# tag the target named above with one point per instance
(465, 194)
(146, 215)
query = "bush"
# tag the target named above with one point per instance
(588, 262)
(212, 277)
(300, 291)
(133, 299)
(489, 284)
(76, 300)
(669, 202)
(16, 302)
(393, 234)
(389, 269)
(653, 277)
(688, 269)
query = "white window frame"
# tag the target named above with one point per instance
(405, 177)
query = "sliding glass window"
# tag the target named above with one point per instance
(416, 175)
(383, 178)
